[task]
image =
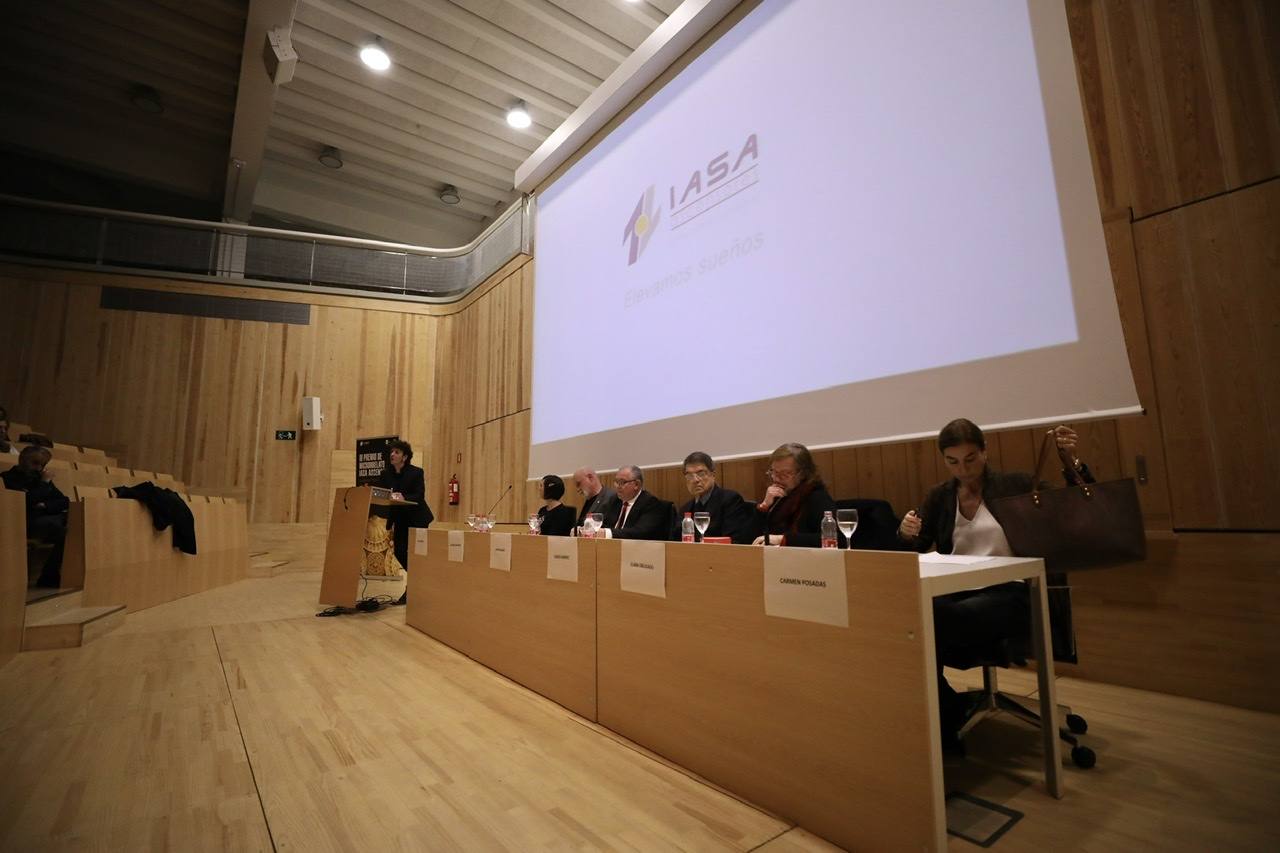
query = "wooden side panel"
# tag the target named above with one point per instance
(13, 572)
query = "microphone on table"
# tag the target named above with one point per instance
(498, 501)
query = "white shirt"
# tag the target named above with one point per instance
(980, 537)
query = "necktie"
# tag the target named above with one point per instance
(622, 518)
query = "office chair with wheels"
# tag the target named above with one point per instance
(1011, 652)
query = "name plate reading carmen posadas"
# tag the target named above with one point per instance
(562, 558)
(456, 540)
(500, 551)
(806, 584)
(644, 567)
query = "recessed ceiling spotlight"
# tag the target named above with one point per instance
(330, 157)
(146, 99)
(375, 55)
(449, 195)
(518, 116)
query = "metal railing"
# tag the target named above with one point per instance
(120, 241)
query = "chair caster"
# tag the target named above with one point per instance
(1077, 724)
(1083, 757)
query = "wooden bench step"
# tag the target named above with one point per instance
(41, 608)
(72, 628)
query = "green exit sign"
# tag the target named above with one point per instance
(286, 435)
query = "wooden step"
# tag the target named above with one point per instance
(72, 628)
(41, 608)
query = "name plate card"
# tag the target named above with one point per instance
(455, 545)
(806, 584)
(562, 559)
(420, 541)
(644, 567)
(500, 551)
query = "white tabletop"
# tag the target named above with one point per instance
(941, 574)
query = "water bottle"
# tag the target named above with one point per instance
(829, 539)
(687, 528)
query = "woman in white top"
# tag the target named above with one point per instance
(957, 517)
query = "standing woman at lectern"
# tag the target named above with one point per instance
(406, 482)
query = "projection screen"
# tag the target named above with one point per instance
(843, 223)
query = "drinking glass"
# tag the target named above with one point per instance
(471, 521)
(847, 521)
(535, 524)
(701, 521)
(597, 521)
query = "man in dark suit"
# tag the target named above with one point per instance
(730, 515)
(635, 513)
(595, 497)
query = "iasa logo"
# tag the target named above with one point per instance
(640, 227)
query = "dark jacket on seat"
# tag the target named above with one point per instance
(167, 508)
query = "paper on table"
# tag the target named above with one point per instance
(960, 559)
(455, 546)
(562, 558)
(500, 551)
(644, 567)
(806, 584)
(420, 541)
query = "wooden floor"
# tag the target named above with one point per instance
(237, 720)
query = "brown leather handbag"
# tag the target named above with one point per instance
(1082, 526)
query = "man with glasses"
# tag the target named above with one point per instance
(635, 513)
(730, 514)
(793, 505)
(595, 497)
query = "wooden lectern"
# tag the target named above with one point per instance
(343, 551)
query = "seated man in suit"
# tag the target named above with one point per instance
(730, 515)
(635, 513)
(46, 508)
(595, 497)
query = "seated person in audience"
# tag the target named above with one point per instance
(635, 513)
(406, 482)
(46, 508)
(957, 517)
(557, 519)
(6, 444)
(730, 515)
(793, 505)
(595, 497)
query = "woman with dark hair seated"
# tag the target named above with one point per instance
(957, 517)
(557, 519)
(793, 506)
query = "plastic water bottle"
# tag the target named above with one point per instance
(829, 539)
(687, 528)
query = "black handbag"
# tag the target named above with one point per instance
(1081, 526)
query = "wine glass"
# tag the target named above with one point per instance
(597, 521)
(471, 521)
(535, 524)
(701, 521)
(847, 521)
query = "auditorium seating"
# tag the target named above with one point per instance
(115, 560)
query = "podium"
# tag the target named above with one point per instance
(344, 547)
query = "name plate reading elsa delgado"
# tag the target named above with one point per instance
(806, 584)
(562, 559)
(644, 567)
(420, 541)
(455, 546)
(500, 551)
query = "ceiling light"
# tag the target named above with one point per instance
(518, 116)
(449, 195)
(330, 157)
(375, 56)
(146, 99)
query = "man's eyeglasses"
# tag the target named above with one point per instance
(618, 482)
(774, 474)
(690, 476)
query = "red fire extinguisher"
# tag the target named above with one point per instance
(454, 492)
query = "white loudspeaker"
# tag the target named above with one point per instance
(311, 417)
(280, 57)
